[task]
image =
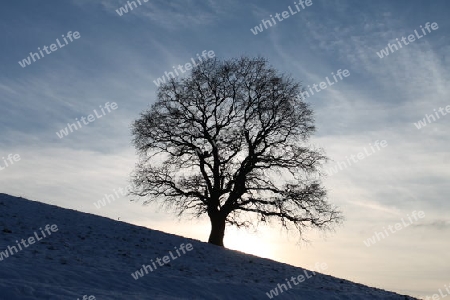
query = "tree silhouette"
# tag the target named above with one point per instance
(229, 141)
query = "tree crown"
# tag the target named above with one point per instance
(231, 139)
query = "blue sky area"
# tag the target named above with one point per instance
(118, 58)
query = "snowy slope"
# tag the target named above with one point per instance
(95, 256)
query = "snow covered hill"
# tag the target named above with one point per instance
(47, 252)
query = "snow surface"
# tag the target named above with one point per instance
(93, 255)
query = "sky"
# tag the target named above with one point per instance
(383, 126)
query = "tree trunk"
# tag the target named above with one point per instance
(217, 230)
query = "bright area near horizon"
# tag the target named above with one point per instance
(118, 58)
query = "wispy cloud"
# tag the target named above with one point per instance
(435, 225)
(170, 14)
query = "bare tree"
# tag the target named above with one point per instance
(229, 141)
